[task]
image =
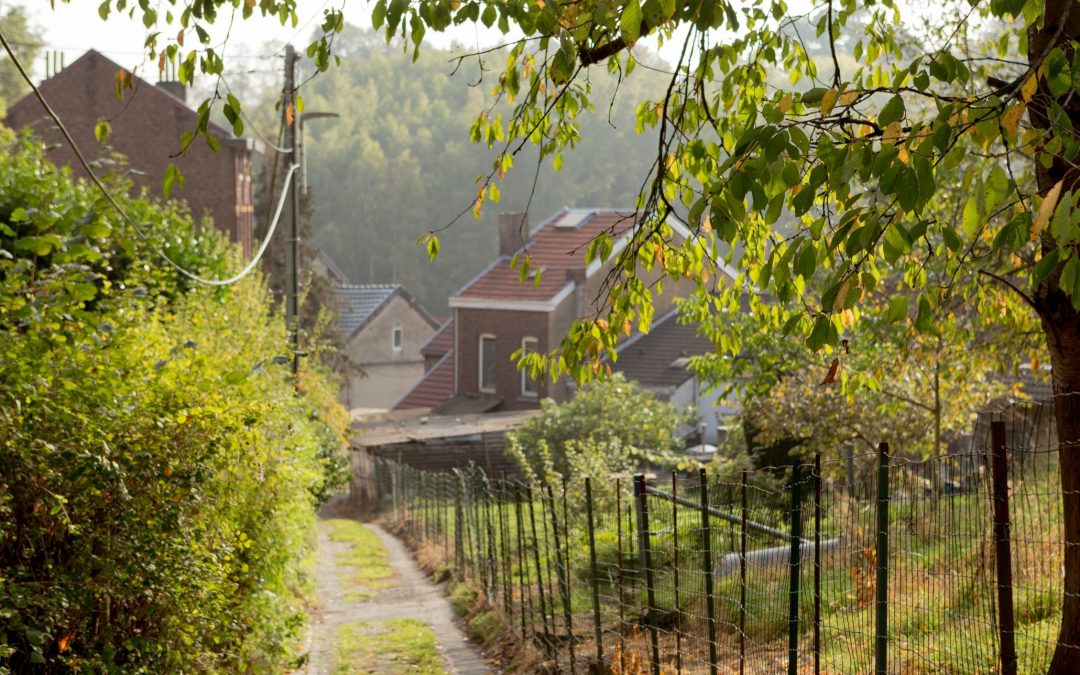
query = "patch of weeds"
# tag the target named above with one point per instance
(462, 598)
(396, 646)
(366, 557)
(443, 572)
(486, 626)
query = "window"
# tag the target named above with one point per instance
(487, 363)
(398, 338)
(529, 385)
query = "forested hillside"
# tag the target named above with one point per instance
(399, 162)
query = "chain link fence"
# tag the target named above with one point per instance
(869, 563)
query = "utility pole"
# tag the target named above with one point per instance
(292, 256)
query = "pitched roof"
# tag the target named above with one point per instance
(77, 75)
(436, 386)
(556, 246)
(359, 303)
(658, 359)
(441, 342)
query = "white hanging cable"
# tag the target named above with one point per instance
(123, 214)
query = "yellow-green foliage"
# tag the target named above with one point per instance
(158, 467)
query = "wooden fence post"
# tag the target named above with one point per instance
(817, 564)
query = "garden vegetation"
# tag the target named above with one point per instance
(159, 465)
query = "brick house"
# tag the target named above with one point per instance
(383, 328)
(147, 124)
(495, 314)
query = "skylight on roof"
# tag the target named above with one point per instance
(572, 219)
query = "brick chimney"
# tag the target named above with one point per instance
(513, 232)
(578, 276)
(175, 88)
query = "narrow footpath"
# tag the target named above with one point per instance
(380, 622)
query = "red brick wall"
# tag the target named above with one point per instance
(509, 328)
(146, 127)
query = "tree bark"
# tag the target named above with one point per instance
(1061, 325)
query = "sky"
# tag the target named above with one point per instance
(72, 28)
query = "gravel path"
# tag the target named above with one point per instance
(411, 595)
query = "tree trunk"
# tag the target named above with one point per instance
(1063, 337)
(1061, 323)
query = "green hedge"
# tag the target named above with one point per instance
(158, 464)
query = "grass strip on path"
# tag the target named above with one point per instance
(395, 646)
(366, 557)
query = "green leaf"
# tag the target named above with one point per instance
(1070, 280)
(972, 218)
(1045, 266)
(824, 332)
(924, 320)
(898, 308)
(630, 22)
(892, 112)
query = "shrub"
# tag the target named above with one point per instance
(158, 468)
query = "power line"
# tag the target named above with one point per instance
(112, 201)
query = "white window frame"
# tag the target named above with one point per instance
(480, 363)
(397, 338)
(525, 379)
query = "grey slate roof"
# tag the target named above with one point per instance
(357, 303)
(657, 360)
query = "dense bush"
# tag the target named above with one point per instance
(158, 465)
(611, 427)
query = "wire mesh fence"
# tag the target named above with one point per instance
(950, 564)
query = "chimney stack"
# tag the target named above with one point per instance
(170, 84)
(578, 276)
(513, 232)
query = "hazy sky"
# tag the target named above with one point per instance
(76, 27)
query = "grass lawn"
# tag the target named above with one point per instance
(397, 646)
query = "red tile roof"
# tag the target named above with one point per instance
(557, 246)
(436, 387)
(441, 342)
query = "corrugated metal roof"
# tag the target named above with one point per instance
(436, 387)
(659, 359)
(556, 246)
(356, 304)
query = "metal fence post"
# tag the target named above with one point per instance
(522, 561)
(597, 635)
(817, 563)
(881, 589)
(646, 564)
(742, 575)
(539, 569)
(619, 562)
(795, 568)
(561, 573)
(675, 568)
(1003, 554)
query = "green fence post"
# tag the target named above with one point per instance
(597, 635)
(795, 569)
(817, 564)
(1003, 552)
(881, 622)
(706, 541)
(641, 494)
(562, 573)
